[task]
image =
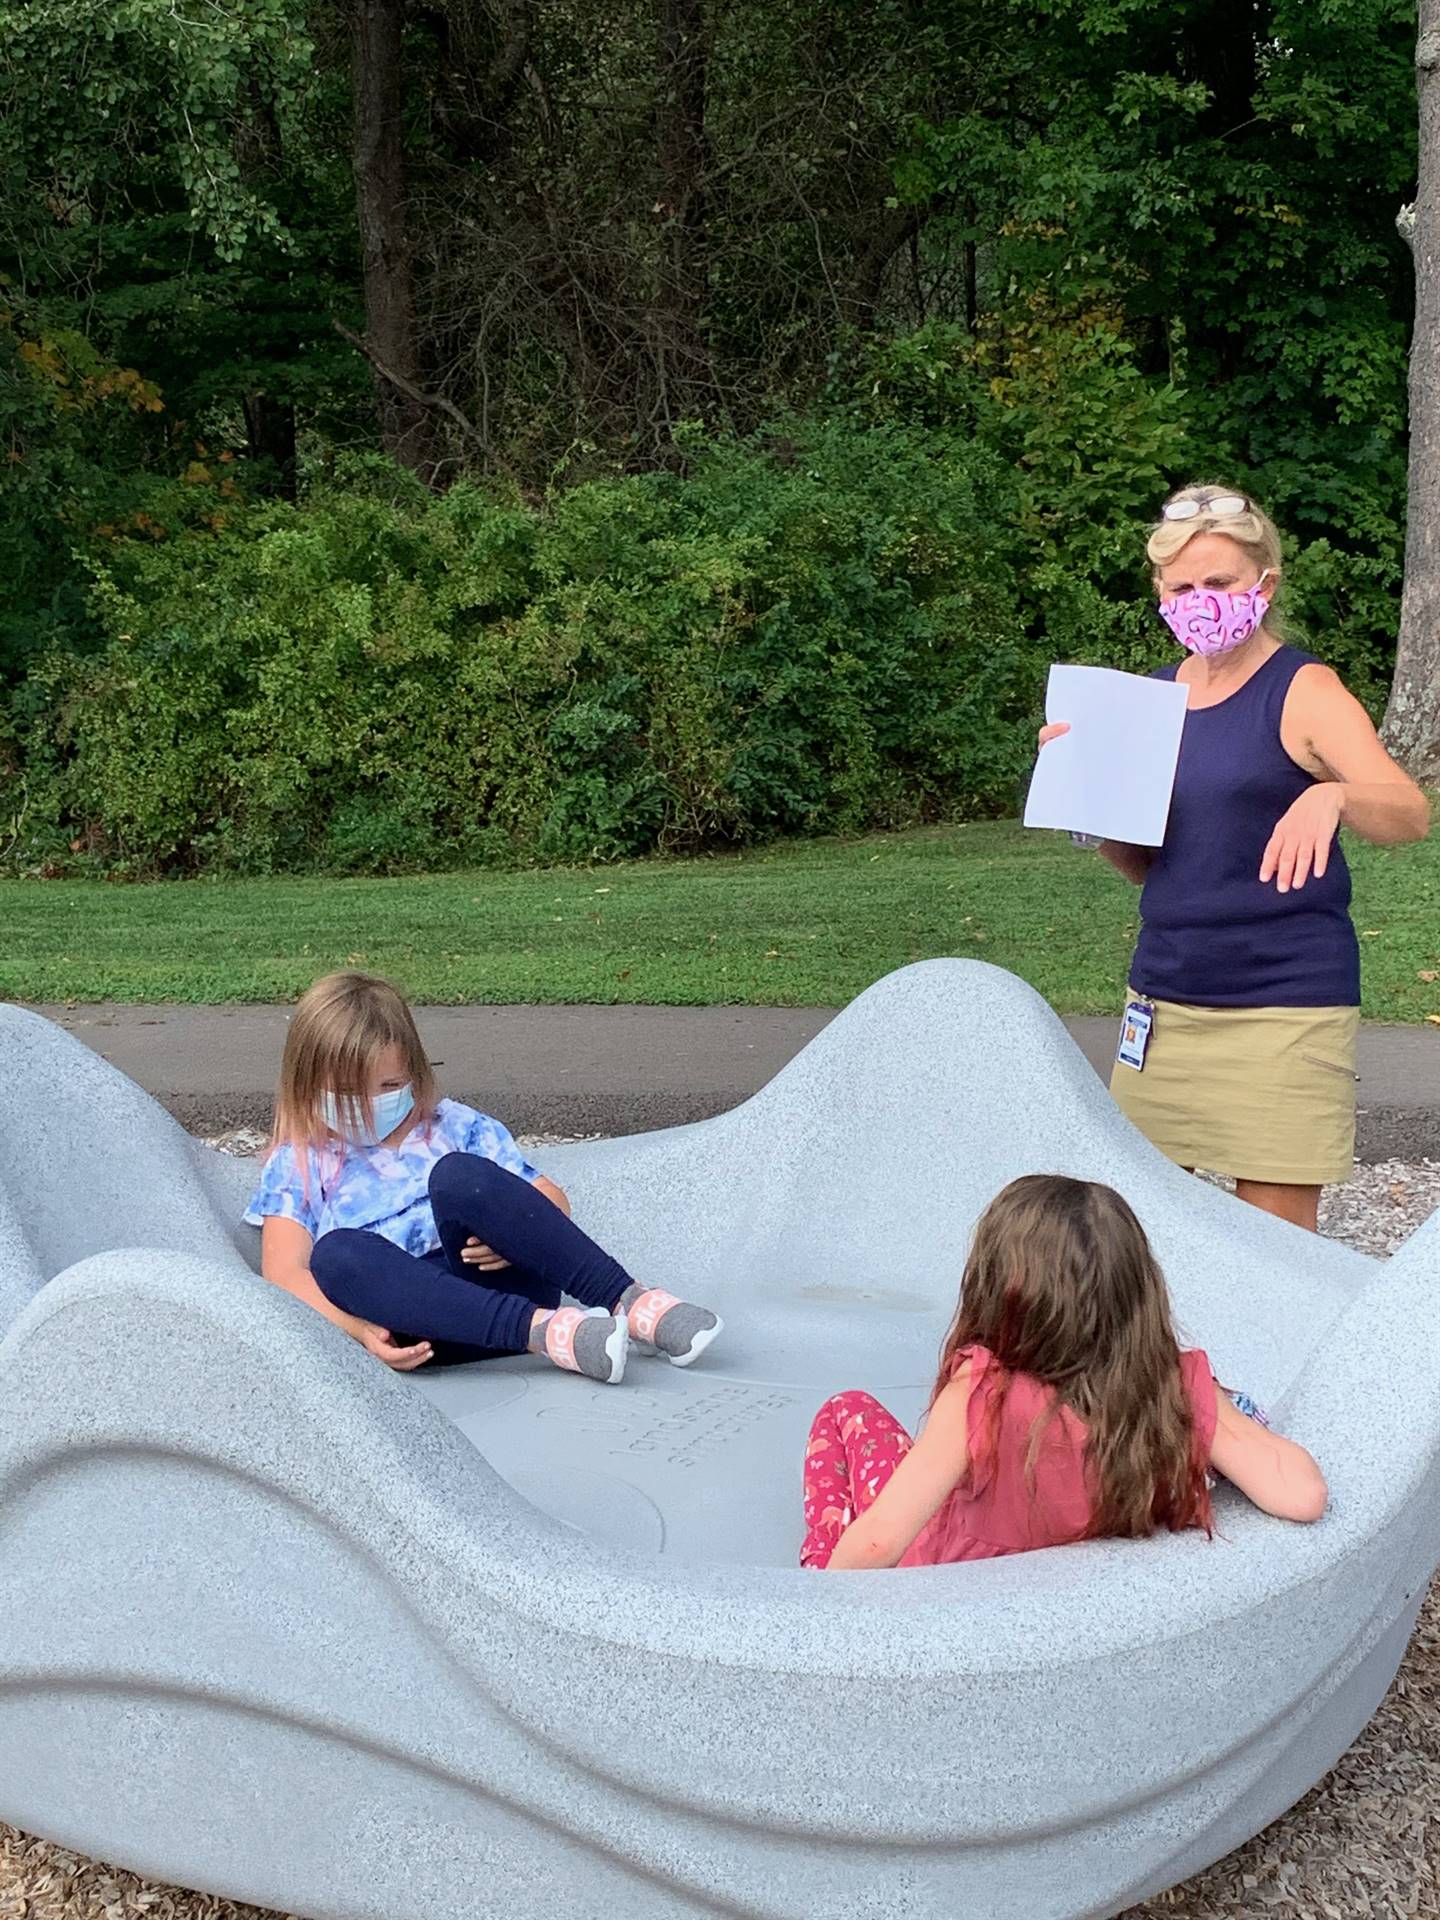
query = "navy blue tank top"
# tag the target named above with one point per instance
(1211, 935)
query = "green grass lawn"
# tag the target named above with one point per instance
(804, 923)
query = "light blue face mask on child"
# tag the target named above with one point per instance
(389, 1110)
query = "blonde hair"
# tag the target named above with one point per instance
(1253, 531)
(337, 1034)
(1061, 1284)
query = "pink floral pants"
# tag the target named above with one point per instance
(855, 1445)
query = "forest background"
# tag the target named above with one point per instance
(450, 431)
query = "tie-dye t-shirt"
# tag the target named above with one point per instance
(383, 1190)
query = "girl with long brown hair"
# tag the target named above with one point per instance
(386, 1207)
(1064, 1408)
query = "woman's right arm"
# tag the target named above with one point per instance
(1279, 1476)
(1132, 862)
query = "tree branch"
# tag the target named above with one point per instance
(437, 402)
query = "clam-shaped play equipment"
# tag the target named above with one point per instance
(280, 1624)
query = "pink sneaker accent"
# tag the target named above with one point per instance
(648, 1311)
(560, 1338)
(592, 1343)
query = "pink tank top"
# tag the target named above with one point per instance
(1000, 1509)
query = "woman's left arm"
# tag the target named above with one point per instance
(1326, 729)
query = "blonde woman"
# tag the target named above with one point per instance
(416, 1224)
(1238, 1047)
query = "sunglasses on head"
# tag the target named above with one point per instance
(1221, 506)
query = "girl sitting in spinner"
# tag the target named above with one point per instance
(1064, 1409)
(418, 1226)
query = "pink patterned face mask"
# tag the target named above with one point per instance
(1208, 622)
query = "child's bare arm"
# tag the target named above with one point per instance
(928, 1473)
(285, 1259)
(553, 1192)
(1279, 1476)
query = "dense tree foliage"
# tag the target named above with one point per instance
(613, 249)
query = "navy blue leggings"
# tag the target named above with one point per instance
(464, 1313)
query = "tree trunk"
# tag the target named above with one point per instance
(270, 425)
(270, 430)
(482, 60)
(885, 234)
(1412, 720)
(682, 70)
(407, 428)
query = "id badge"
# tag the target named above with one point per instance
(1135, 1031)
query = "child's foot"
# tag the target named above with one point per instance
(591, 1342)
(677, 1328)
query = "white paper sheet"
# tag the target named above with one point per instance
(1114, 772)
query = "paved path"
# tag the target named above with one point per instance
(622, 1069)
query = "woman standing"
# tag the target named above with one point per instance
(1246, 976)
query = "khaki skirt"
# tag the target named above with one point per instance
(1261, 1093)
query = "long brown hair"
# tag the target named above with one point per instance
(337, 1033)
(1061, 1284)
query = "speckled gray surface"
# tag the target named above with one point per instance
(281, 1625)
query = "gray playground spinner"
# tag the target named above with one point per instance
(279, 1624)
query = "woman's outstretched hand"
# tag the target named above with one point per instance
(1303, 837)
(377, 1340)
(1053, 731)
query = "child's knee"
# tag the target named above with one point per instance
(462, 1179)
(334, 1258)
(846, 1406)
(835, 1411)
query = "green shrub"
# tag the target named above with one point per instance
(817, 633)
(1095, 444)
(842, 624)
